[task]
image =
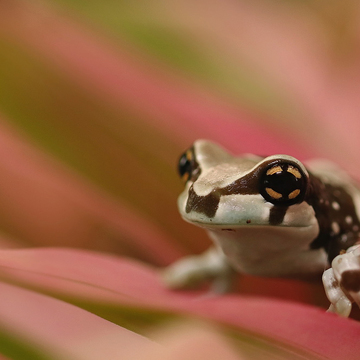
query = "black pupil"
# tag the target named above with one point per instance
(283, 182)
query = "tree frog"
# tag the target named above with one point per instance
(268, 216)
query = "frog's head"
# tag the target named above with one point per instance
(226, 191)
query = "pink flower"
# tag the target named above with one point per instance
(97, 103)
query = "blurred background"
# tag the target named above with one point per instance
(99, 98)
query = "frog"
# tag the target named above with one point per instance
(269, 216)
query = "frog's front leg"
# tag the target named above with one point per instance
(342, 281)
(192, 270)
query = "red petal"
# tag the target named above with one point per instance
(102, 279)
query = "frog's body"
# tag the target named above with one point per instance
(267, 216)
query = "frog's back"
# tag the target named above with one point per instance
(335, 197)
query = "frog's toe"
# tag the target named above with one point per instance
(346, 269)
(340, 304)
(350, 280)
(185, 273)
(342, 281)
(192, 270)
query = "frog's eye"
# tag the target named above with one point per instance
(283, 183)
(188, 167)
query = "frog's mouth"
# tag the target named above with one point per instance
(247, 224)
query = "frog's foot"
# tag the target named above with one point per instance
(342, 281)
(340, 304)
(192, 270)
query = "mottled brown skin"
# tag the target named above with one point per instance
(322, 197)
(246, 185)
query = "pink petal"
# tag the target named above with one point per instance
(297, 49)
(193, 341)
(174, 105)
(85, 276)
(60, 330)
(45, 203)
